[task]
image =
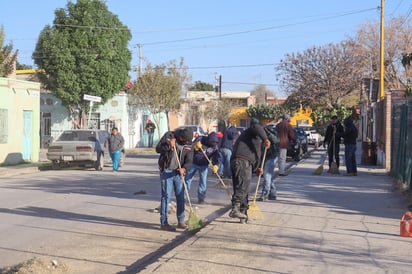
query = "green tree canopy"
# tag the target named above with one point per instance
(201, 86)
(85, 51)
(261, 111)
(7, 56)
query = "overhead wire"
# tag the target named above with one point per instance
(255, 30)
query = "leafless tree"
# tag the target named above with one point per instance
(398, 41)
(261, 93)
(320, 76)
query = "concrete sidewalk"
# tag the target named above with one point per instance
(319, 224)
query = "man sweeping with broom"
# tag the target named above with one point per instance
(246, 159)
(172, 170)
(332, 140)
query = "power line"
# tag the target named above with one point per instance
(256, 30)
(233, 66)
(250, 84)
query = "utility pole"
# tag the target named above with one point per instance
(382, 55)
(218, 85)
(140, 60)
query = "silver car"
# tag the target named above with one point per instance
(81, 147)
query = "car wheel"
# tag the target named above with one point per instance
(56, 165)
(100, 162)
(299, 154)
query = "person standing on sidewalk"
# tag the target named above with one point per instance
(171, 175)
(350, 135)
(286, 134)
(272, 155)
(332, 139)
(229, 137)
(246, 159)
(150, 128)
(204, 145)
(116, 143)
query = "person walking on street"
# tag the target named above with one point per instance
(332, 140)
(350, 135)
(246, 159)
(229, 137)
(171, 175)
(272, 155)
(150, 128)
(116, 143)
(286, 134)
(204, 145)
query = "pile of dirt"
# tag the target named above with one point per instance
(37, 266)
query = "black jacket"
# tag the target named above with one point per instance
(350, 134)
(249, 145)
(329, 134)
(185, 152)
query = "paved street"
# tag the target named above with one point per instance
(95, 223)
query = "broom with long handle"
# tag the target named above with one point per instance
(254, 210)
(195, 222)
(217, 175)
(334, 166)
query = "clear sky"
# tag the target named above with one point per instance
(238, 39)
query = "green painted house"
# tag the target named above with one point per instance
(19, 121)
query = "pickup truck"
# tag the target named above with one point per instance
(314, 138)
(81, 147)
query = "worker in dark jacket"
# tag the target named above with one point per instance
(204, 145)
(229, 138)
(115, 143)
(333, 140)
(171, 173)
(350, 135)
(272, 155)
(246, 159)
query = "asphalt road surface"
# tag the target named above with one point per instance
(93, 221)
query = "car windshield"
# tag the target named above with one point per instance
(84, 135)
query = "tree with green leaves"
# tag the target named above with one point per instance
(265, 112)
(7, 56)
(85, 51)
(201, 86)
(159, 88)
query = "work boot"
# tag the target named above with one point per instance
(244, 221)
(235, 212)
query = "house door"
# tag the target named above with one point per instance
(45, 129)
(27, 134)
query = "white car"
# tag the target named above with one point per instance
(81, 147)
(314, 138)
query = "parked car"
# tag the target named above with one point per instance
(81, 147)
(314, 138)
(197, 130)
(297, 149)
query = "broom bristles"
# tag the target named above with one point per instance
(254, 212)
(195, 222)
(319, 170)
(334, 168)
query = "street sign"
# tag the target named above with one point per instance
(92, 98)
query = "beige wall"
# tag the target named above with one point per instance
(19, 97)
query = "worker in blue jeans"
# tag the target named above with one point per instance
(116, 143)
(204, 146)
